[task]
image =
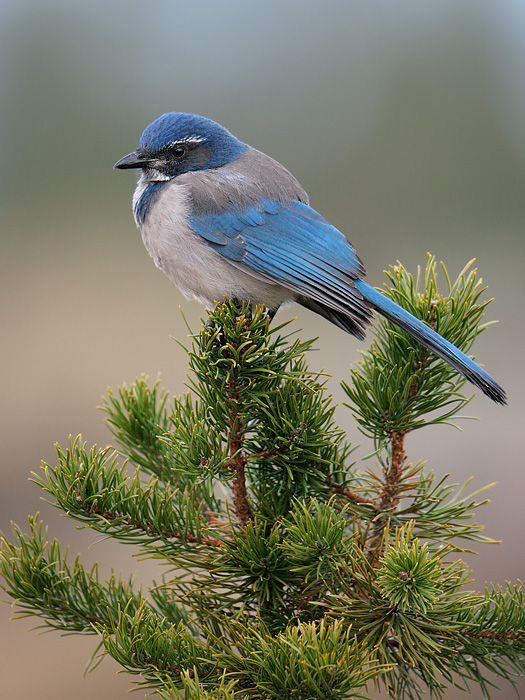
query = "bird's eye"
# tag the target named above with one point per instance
(179, 151)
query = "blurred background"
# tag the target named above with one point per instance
(405, 123)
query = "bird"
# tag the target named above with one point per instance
(223, 220)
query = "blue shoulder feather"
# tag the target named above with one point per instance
(290, 244)
(295, 232)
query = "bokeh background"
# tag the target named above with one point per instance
(404, 121)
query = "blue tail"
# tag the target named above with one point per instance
(432, 341)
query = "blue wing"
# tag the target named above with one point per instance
(293, 245)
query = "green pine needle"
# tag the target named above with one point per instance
(292, 572)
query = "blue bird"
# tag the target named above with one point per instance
(222, 219)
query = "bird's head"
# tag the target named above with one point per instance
(177, 143)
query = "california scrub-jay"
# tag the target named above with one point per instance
(222, 219)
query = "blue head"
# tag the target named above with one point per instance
(178, 142)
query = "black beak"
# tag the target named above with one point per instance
(141, 158)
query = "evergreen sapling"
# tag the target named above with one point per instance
(292, 572)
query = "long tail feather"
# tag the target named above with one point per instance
(434, 342)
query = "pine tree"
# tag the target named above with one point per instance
(293, 573)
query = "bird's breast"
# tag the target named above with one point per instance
(188, 260)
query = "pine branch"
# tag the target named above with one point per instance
(138, 417)
(308, 660)
(66, 596)
(310, 576)
(238, 459)
(396, 385)
(142, 643)
(93, 488)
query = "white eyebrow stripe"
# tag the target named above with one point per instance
(186, 139)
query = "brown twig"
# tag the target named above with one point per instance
(393, 472)
(349, 494)
(279, 449)
(388, 499)
(212, 518)
(145, 526)
(237, 464)
(238, 459)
